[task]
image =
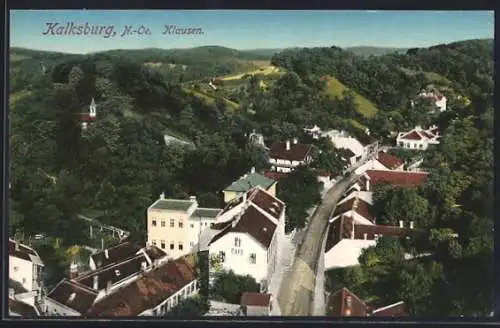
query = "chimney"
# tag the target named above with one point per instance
(411, 224)
(96, 283)
(73, 270)
(17, 245)
(106, 254)
(192, 198)
(295, 140)
(365, 236)
(108, 285)
(144, 265)
(288, 145)
(401, 224)
(252, 170)
(11, 293)
(162, 195)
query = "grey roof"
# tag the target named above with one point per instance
(206, 212)
(249, 181)
(172, 204)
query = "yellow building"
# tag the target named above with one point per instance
(174, 225)
(247, 182)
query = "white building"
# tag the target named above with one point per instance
(249, 236)
(286, 156)
(314, 132)
(175, 225)
(124, 288)
(418, 138)
(25, 266)
(358, 149)
(438, 99)
(21, 308)
(382, 161)
(346, 240)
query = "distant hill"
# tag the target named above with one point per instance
(374, 51)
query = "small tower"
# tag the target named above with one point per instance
(92, 108)
(73, 269)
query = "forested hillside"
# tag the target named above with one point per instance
(121, 164)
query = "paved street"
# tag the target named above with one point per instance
(296, 296)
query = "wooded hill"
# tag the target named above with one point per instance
(119, 166)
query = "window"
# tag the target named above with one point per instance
(16, 268)
(253, 258)
(24, 280)
(154, 223)
(172, 246)
(180, 246)
(162, 223)
(237, 242)
(153, 242)
(181, 224)
(162, 309)
(155, 312)
(421, 146)
(163, 244)
(191, 244)
(222, 256)
(172, 223)
(192, 225)
(206, 224)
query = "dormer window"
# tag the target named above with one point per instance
(117, 272)
(71, 297)
(237, 242)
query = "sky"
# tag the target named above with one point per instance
(246, 29)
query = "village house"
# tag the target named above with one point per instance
(314, 132)
(344, 303)
(354, 150)
(395, 178)
(438, 99)
(133, 287)
(19, 308)
(382, 161)
(25, 266)
(354, 207)
(248, 237)
(257, 139)
(256, 304)
(286, 156)
(347, 238)
(247, 182)
(175, 225)
(418, 138)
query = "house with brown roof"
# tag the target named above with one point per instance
(286, 156)
(256, 304)
(116, 267)
(25, 266)
(153, 292)
(356, 206)
(353, 149)
(346, 239)
(248, 241)
(20, 308)
(344, 303)
(382, 161)
(418, 138)
(395, 178)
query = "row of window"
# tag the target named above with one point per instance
(408, 145)
(154, 223)
(252, 259)
(172, 245)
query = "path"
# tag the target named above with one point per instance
(296, 294)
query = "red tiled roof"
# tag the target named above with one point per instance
(427, 134)
(83, 297)
(388, 160)
(355, 204)
(414, 135)
(114, 273)
(345, 303)
(255, 299)
(268, 203)
(274, 175)
(116, 254)
(22, 251)
(146, 292)
(396, 178)
(22, 309)
(253, 223)
(87, 118)
(297, 152)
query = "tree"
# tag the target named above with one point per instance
(190, 307)
(229, 286)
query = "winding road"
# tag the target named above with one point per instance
(296, 296)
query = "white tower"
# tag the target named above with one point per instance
(92, 108)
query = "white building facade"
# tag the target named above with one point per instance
(25, 266)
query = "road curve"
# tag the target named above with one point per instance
(296, 293)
